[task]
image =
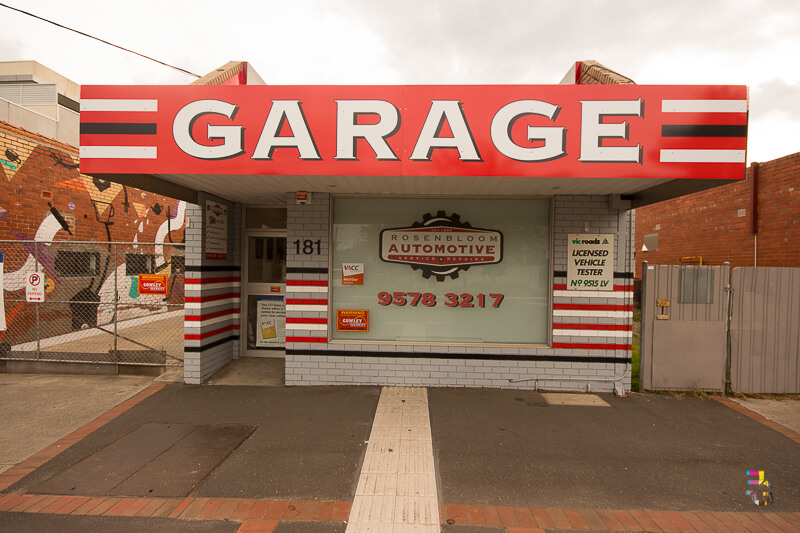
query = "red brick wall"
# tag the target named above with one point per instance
(36, 171)
(39, 178)
(708, 223)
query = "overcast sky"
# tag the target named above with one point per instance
(743, 42)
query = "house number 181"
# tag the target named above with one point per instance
(307, 247)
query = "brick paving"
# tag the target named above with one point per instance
(263, 515)
(254, 515)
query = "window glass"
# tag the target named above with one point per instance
(136, 264)
(441, 270)
(265, 218)
(695, 285)
(77, 264)
(266, 261)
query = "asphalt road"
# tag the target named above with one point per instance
(643, 452)
(492, 447)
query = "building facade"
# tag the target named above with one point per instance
(754, 222)
(419, 235)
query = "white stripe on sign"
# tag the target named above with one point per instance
(309, 327)
(118, 105)
(197, 288)
(704, 106)
(118, 152)
(195, 324)
(306, 307)
(211, 303)
(592, 333)
(593, 294)
(303, 288)
(592, 313)
(702, 156)
(397, 490)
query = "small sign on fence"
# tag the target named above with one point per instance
(34, 287)
(153, 284)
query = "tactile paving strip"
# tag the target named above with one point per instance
(397, 490)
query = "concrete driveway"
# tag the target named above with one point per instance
(38, 409)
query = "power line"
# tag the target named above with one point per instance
(98, 39)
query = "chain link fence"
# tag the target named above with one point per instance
(104, 302)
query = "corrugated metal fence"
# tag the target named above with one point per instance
(699, 321)
(684, 321)
(765, 330)
(104, 302)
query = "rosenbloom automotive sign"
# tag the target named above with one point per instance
(621, 131)
(441, 245)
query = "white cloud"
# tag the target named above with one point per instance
(747, 42)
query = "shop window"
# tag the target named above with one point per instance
(136, 264)
(74, 264)
(428, 270)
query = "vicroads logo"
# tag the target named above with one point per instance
(577, 240)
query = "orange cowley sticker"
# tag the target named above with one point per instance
(352, 320)
(152, 284)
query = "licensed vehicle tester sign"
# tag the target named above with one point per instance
(558, 131)
(590, 261)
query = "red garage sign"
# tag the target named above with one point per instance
(619, 131)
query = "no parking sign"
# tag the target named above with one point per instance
(34, 287)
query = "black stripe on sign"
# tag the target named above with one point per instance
(212, 268)
(617, 275)
(306, 270)
(704, 130)
(471, 356)
(117, 128)
(203, 348)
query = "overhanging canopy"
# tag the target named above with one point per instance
(252, 144)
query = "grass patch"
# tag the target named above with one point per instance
(636, 348)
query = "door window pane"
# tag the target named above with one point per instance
(266, 262)
(265, 218)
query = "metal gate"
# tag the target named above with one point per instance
(765, 330)
(684, 327)
(104, 302)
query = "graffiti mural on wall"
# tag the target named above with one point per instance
(43, 197)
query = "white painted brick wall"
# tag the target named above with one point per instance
(571, 214)
(199, 366)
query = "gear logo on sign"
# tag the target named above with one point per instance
(441, 246)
